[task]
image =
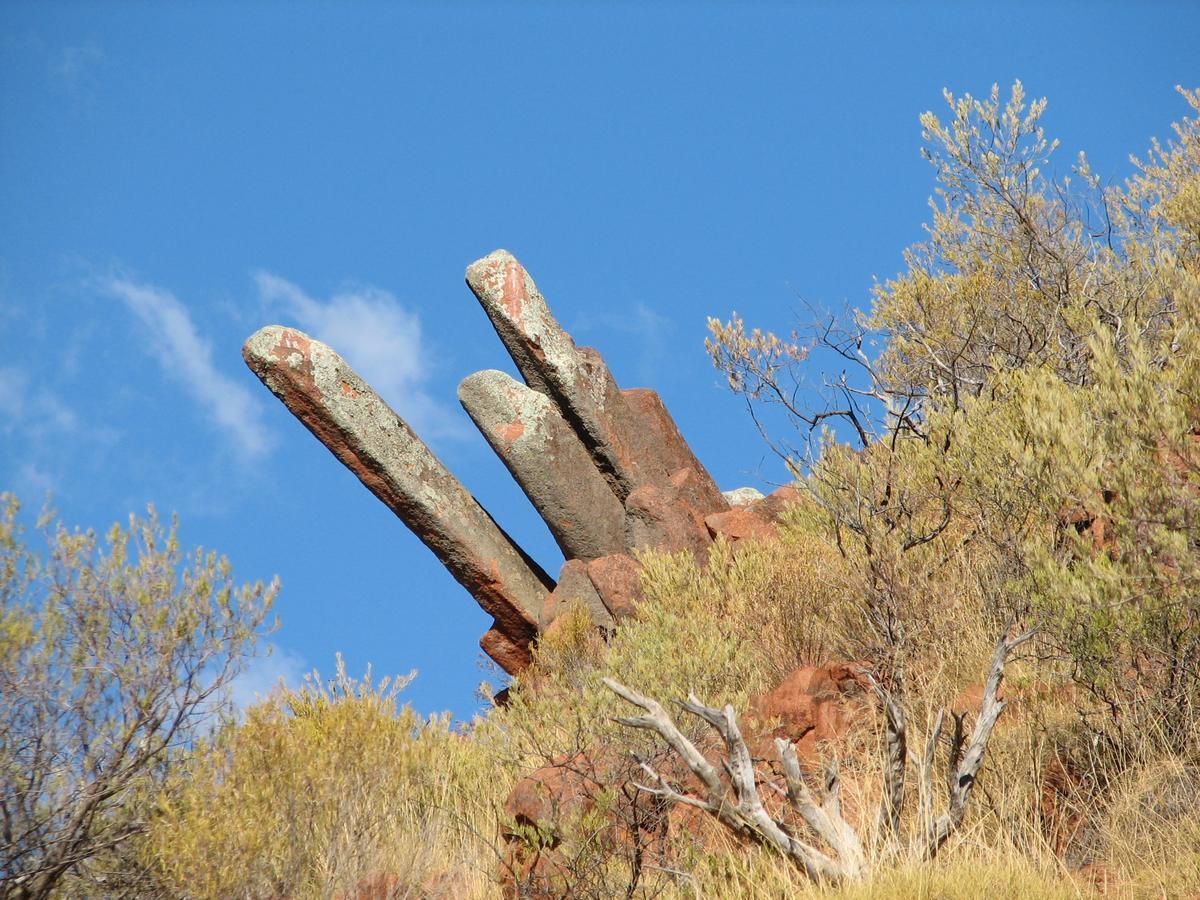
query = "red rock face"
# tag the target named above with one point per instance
(663, 440)
(815, 705)
(738, 525)
(574, 586)
(661, 517)
(775, 504)
(607, 469)
(618, 581)
(511, 655)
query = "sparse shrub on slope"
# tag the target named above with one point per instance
(114, 658)
(321, 791)
(1028, 442)
(1039, 370)
(1026, 455)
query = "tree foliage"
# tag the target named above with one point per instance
(1011, 435)
(113, 656)
(319, 788)
(1034, 406)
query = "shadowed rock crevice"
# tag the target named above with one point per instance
(607, 469)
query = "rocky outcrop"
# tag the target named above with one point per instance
(815, 707)
(548, 460)
(379, 447)
(579, 382)
(606, 468)
(575, 587)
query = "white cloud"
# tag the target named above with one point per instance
(38, 411)
(187, 356)
(264, 674)
(41, 431)
(378, 337)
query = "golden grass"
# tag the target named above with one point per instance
(320, 790)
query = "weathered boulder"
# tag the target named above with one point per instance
(742, 496)
(566, 786)
(617, 579)
(350, 419)
(542, 804)
(575, 587)
(815, 705)
(773, 506)
(738, 524)
(548, 460)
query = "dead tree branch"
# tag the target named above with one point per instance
(735, 801)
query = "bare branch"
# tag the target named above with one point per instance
(745, 815)
(966, 772)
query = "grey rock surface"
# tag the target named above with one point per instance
(577, 380)
(743, 496)
(549, 461)
(378, 446)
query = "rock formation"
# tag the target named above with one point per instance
(606, 468)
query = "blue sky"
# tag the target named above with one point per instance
(173, 176)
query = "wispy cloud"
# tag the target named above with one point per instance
(264, 674)
(73, 67)
(39, 429)
(36, 411)
(376, 335)
(643, 325)
(186, 356)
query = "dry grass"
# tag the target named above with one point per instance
(325, 789)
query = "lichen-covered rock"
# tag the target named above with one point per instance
(578, 382)
(378, 446)
(548, 460)
(742, 496)
(607, 469)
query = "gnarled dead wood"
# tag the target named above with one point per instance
(735, 801)
(964, 772)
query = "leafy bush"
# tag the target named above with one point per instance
(319, 789)
(1027, 450)
(112, 657)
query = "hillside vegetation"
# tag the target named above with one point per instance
(1021, 452)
